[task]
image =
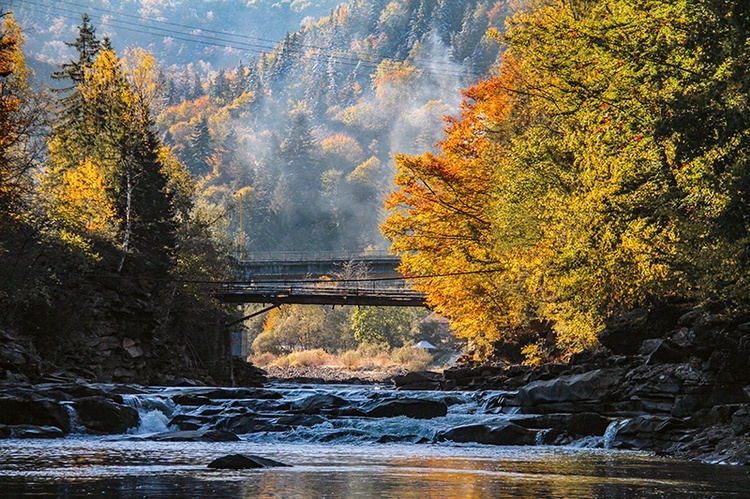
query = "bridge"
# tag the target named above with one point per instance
(317, 278)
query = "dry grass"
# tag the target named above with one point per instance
(369, 357)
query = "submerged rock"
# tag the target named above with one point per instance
(319, 402)
(32, 431)
(244, 462)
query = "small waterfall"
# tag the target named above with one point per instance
(76, 428)
(154, 412)
(540, 436)
(611, 432)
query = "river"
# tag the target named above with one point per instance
(339, 456)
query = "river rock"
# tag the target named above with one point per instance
(247, 423)
(650, 431)
(300, 420)
(741, 421)
(240, 394)
(583, 424)
(101, 415)
(191, 400)
(244, 462)
(422, 380)
(32, 409)
(500, 433)
(189, 422)
(574, 393)
(318, 403)
(411, 408)
(33, 431)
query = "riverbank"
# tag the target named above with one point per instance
(676, 378)
(673, 380)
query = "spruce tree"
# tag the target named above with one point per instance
(199, 148)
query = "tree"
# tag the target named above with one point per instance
(108, 162)
(393, 326)
(611, 143)
(17, 121)
(87, 46)
(199, 148)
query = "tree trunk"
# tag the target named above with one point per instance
(128, 215)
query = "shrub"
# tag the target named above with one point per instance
(413, 359)
(533, 354)
(351, 359)
(309, 358)
(263, 360)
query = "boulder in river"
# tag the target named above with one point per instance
(318, 402)
(423, 380)
(411, 408)
(33, 431)
(500, 433)
(247, 423)
(582, 424)
(32, 409)
(244, 462)
(574, 393)
(102, 415)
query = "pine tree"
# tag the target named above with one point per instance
(199, 148)
(219, 88)
(87, 46)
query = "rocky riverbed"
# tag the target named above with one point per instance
(672, 380)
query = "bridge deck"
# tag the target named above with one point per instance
(313, 295)
(290, 278)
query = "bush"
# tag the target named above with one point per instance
(351, 359)
(533, 354)
(263, 360)
(413, 359)
(309, 358)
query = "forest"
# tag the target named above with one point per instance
(556, 164)
(141, 177)
(603, 168)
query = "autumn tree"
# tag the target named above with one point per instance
(105, 180)
(600, 170)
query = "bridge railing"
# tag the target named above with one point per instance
(311, 256)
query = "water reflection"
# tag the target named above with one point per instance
(75, 467)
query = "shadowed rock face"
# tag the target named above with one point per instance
(411, 408)
(33, 409)
(574, 393)
(102, 415)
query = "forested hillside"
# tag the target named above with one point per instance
(303, 135)
(204, 34)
